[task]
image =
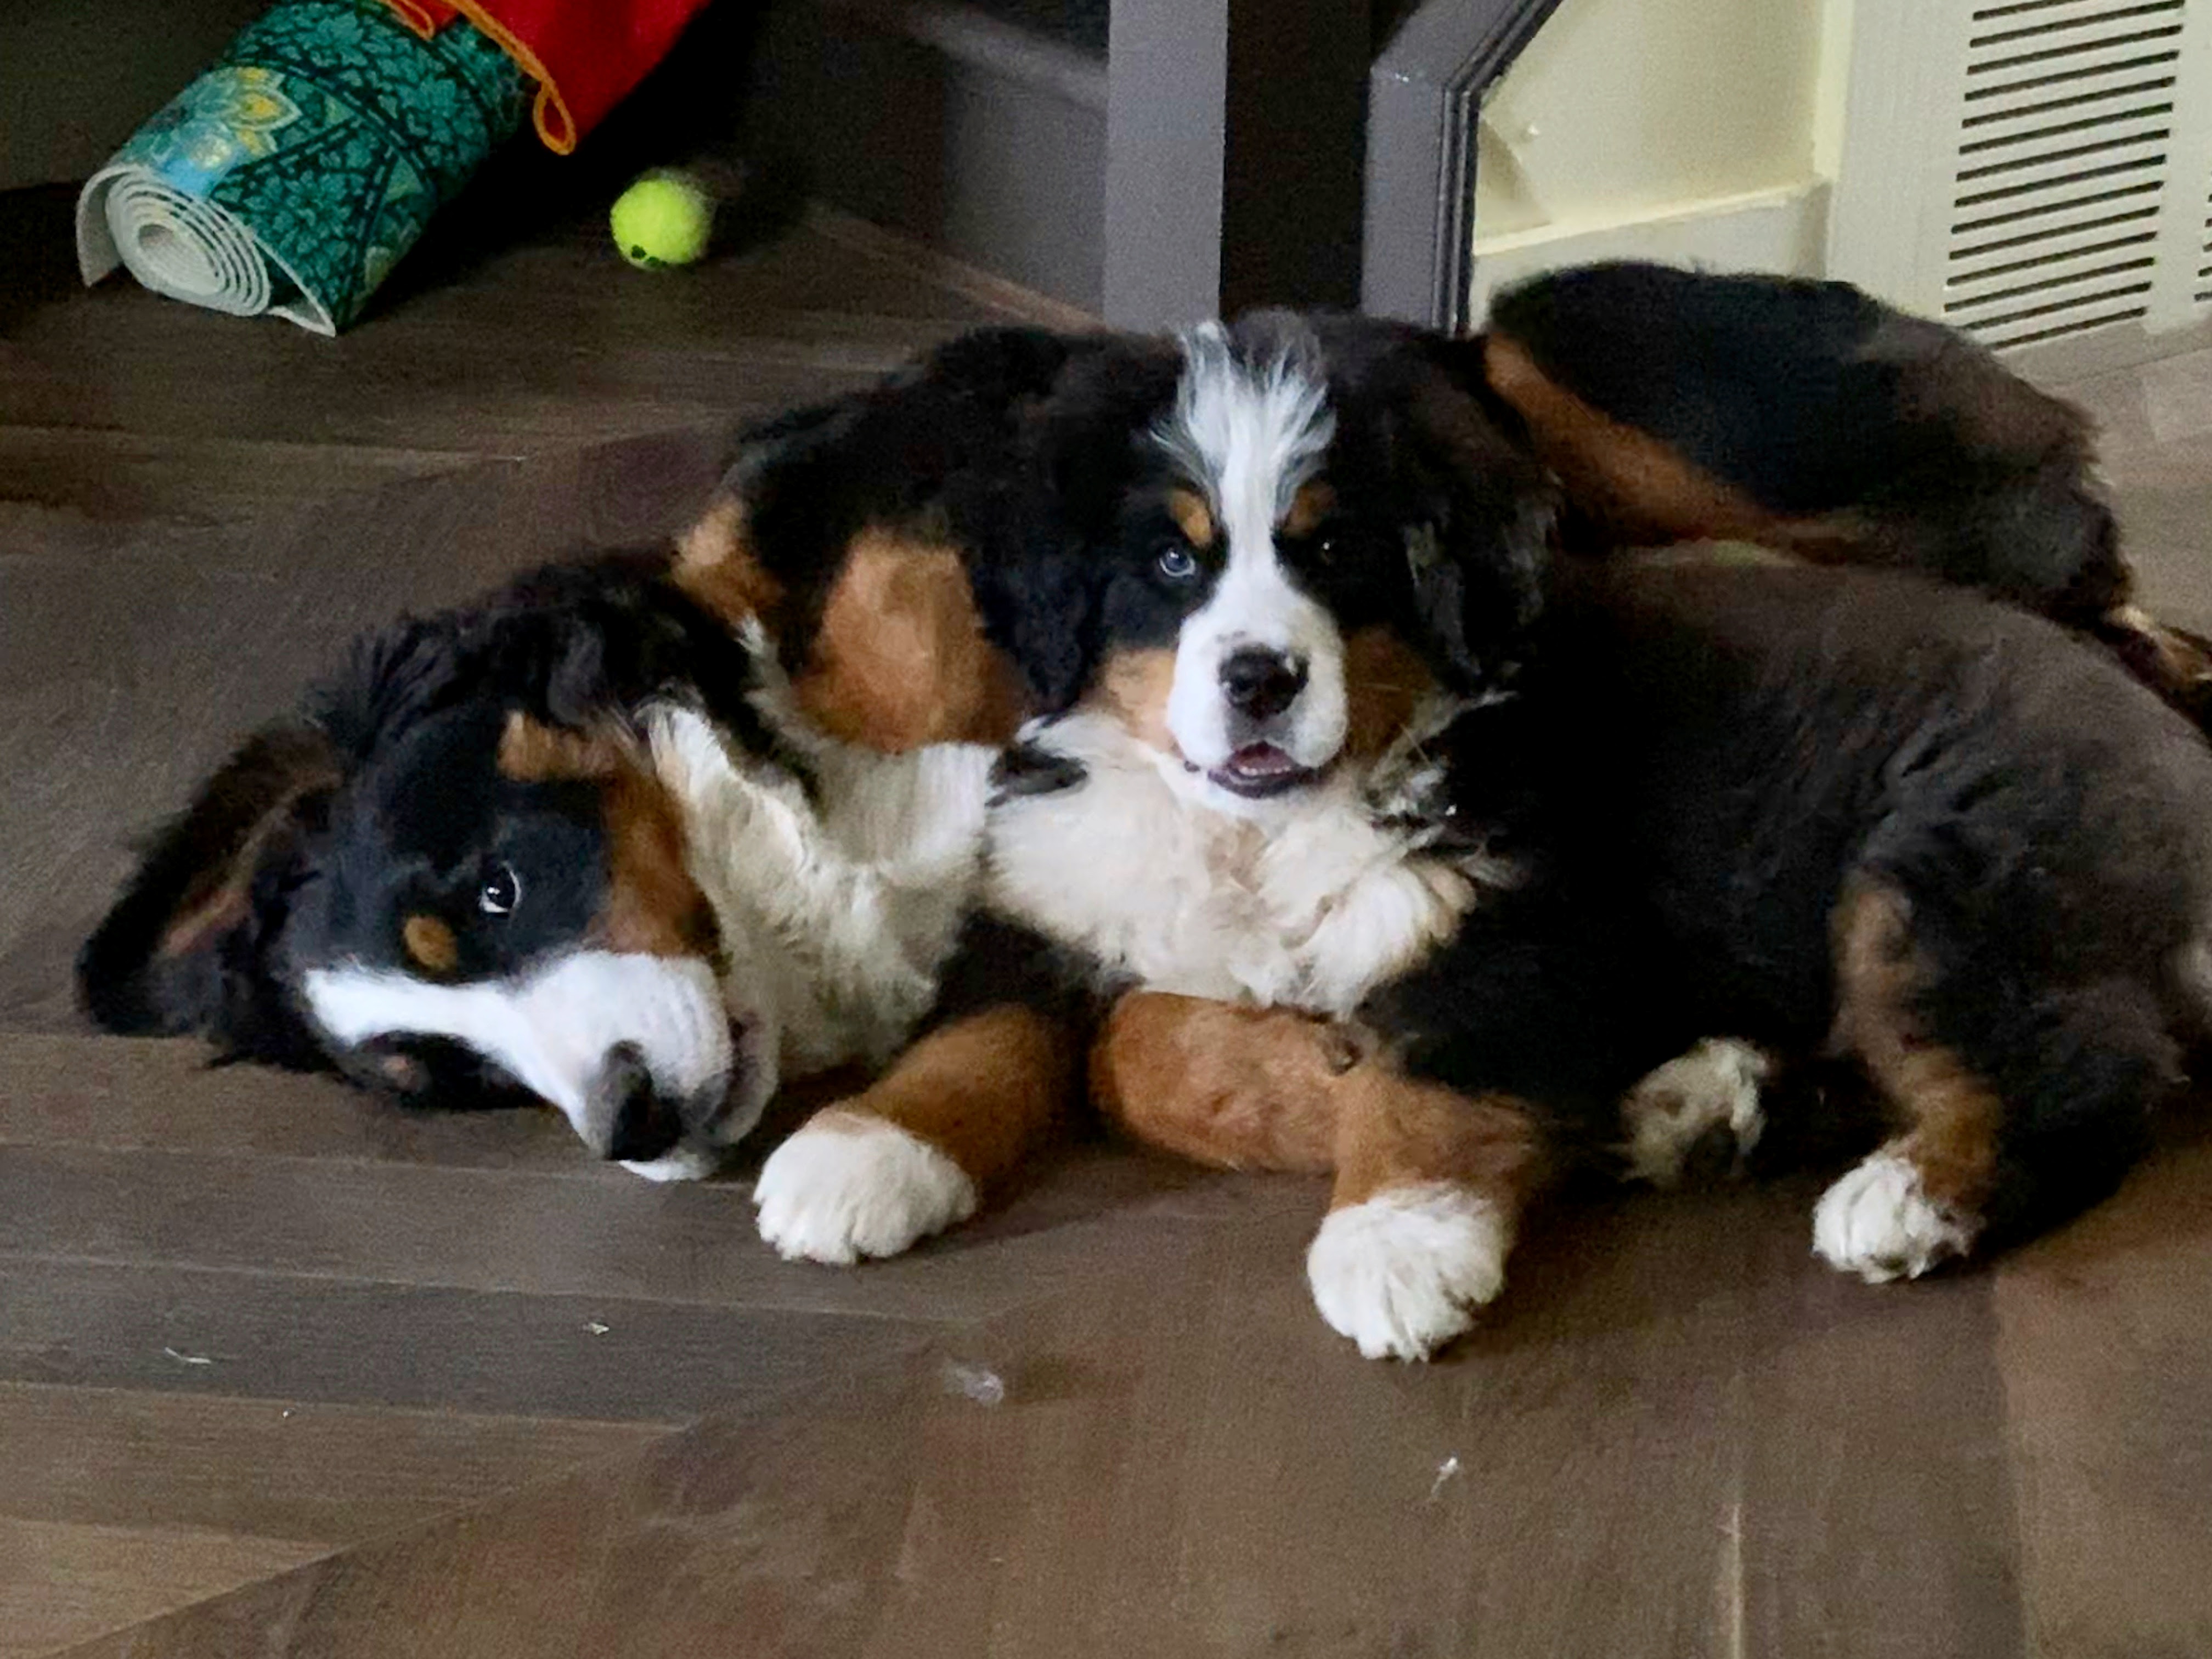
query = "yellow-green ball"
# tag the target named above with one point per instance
(663, 220)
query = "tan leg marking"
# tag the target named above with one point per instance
(911, 1155)
(1236, 1088)
(983, 1090)
(1429, 1189)
(1916, 1202)
(1949, 1116)
(1396, 1131)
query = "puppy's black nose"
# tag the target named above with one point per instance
(1262, 684)
(641, 1124)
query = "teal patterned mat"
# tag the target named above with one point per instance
(292, 176)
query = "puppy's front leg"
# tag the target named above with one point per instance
(913, 1153)
(1430, 1188)
(1236, 1087)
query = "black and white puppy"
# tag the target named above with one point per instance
(1327, 758)
(1300, 544)
(635, 836)
(573, 843)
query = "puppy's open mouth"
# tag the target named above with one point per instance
(1260, 770)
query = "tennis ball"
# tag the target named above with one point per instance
(662, 220)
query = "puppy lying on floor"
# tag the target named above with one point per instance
(1758, 802)
(595, 840)
(1828, 811)
(587, 841)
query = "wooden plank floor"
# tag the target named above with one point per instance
(283, 1373)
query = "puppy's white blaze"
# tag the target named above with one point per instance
(1254, 606)
(1401, 1273)
(851, 1185)
(1248, 433)
(1249, 436)
(552, 1030)
(1716, 1084)
(1878, 1222)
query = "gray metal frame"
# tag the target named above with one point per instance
(1423, 95)
(1233, 147)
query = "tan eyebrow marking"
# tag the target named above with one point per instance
(1313, 503)
(1191, 516)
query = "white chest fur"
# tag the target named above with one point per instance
(836, 912)
(1309, 904)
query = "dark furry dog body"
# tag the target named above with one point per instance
(1826, 813)
(1859, 816)
(575, 843)
(639, 837)
(1214, 841)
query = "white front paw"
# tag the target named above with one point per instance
(1401, 1273)
(850, 1185)
(1878, 1222)
(1716, 1085)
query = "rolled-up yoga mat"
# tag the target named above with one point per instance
(292, 175)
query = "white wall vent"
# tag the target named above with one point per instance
(2036, 172)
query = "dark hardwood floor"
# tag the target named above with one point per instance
(285, 1374)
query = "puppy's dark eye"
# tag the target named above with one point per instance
(501, 893)
(1326, 548)
(1178, 562)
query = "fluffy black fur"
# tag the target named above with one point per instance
(1815, 399)
(938, 447)
(1721, 753)
(1695, 765)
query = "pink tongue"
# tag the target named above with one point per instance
(1262, 760)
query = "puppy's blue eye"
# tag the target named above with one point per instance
(1178, 562)
(501, 893)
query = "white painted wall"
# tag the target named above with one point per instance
(1698, 130)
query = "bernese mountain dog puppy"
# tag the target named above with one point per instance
(637, 837)
(1332, 756)
(572, 844)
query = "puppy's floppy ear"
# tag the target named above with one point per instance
(182, 950)
(883, 540)
(1078, 449)
(1478, 563)
(929, 444)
